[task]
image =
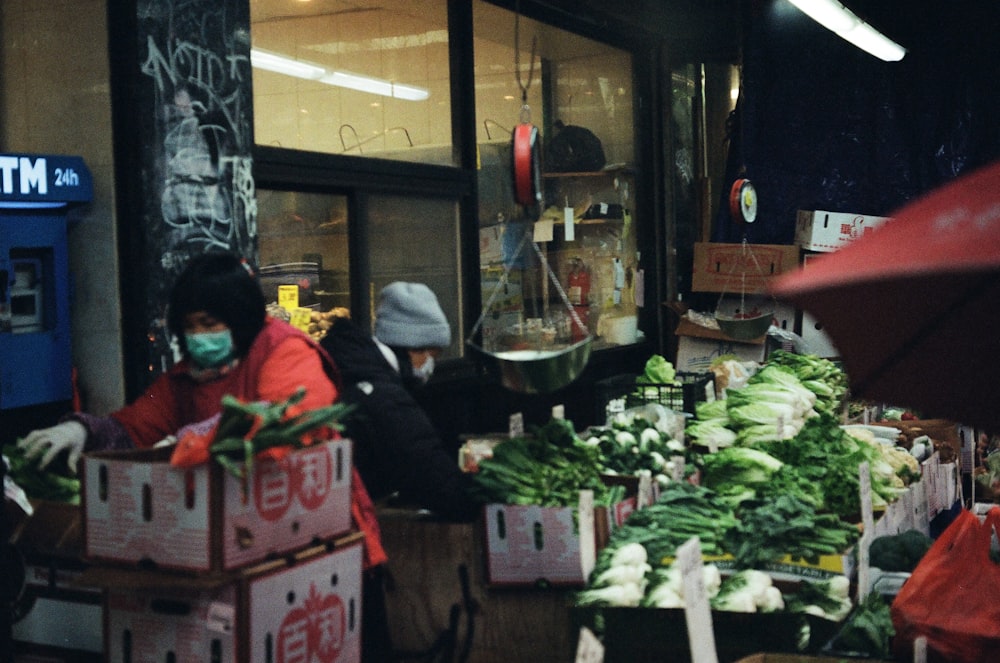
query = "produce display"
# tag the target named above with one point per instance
(778, 480)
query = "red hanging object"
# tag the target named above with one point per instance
(527, 165)
(743, 201)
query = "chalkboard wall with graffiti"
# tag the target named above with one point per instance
(192, 107)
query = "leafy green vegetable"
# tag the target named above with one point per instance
(868, 630)
(828, 598)
(738, 470)
(786, 525)
(547, 468)
(899, 553)
(682, 511)
(49, 483)
(819, 375)
(657, 371)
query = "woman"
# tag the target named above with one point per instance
(229, 345)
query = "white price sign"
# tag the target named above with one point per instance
(697, 612)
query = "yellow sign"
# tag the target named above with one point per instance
(288, 297)
(301, 318)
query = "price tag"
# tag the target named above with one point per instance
(588, 542)
(569, 224)
(697, 612)
(515, 425)
(678, 467)
(588, 648)
(864, 565)
(543, 230)
(300, 319)
(865, 482)
(920, 649)
(559, 412)
(288, 297)
(644, 496)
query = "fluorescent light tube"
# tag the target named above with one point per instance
(842, 21)
(281, 64)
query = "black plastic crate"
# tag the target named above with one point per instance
(621, 392)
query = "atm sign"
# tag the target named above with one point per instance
(26, 177)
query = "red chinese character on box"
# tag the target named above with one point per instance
(293, 637)
(272, 490)
(313, 474)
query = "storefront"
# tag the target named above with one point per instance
(345, 148)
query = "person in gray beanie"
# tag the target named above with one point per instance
(408, 319)
(397, 449)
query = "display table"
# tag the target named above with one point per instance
(436, 568)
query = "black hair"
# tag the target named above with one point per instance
(222, 285)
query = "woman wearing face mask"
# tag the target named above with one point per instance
(229, 345)
(396, 446)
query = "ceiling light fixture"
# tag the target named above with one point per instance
(281, 64)
(839, 19)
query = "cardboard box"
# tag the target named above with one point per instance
(817, 341)
(720, 267)
(818, 230)
(698, 347)
(138, 508)
(304, 609)
(535, 545)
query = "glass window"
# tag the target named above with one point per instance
(369, 79)
(416, 239)
(303, 251)
(579, 93)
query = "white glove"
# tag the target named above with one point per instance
(50, 442)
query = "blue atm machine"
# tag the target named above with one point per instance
(38, 192)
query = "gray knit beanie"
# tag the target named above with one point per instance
(409, 316)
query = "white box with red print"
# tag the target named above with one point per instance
(301, 610)
(141, 510)
(817, 230)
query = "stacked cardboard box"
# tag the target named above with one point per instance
(196, 564)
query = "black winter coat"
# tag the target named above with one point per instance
(396, 446)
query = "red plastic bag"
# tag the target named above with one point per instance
(953, 596)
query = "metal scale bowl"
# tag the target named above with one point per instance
(536, 355)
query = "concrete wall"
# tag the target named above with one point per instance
(55, 98)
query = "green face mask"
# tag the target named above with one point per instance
(210, 349)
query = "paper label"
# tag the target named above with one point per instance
(588, 542)
(301, 318)
(515, 425)
(543, 230)
(588, 648)
(864, 565)
(640, 289)
(288, 297)
(569, 226)
(865, 481)
(697, 612)
(559, 412)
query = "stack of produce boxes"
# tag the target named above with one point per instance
(198, 565)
